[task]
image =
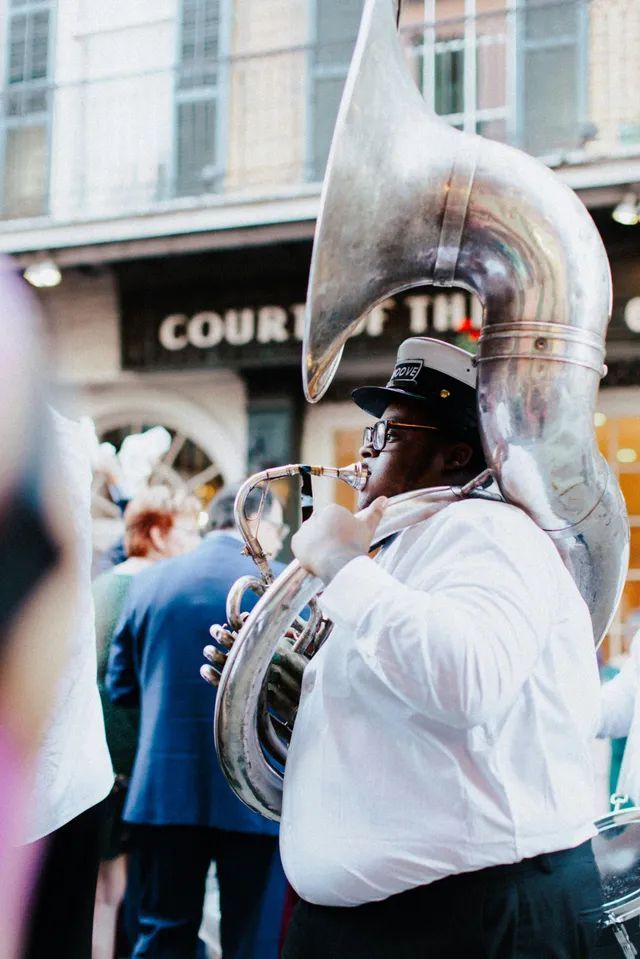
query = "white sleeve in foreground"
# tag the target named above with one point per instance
(459, 653)
(618, 699)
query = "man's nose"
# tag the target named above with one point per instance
(366, 451)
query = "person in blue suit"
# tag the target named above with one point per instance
(183, 813)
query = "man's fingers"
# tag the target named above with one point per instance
(215, 657)
(284, 683)
(221, 636)
(209, 674)
(289, 662)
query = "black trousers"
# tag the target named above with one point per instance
(60, 920)
(173, 862)
(541, 908)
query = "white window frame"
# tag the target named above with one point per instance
(522, 45)
(217, 92)
(314, 73)
(471, 116)
(23, 89)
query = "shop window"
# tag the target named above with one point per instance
(184, 467)
(200, 83)
(552, 74)
(334, 28)
(26, 109)
(619, 441)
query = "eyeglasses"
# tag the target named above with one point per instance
(376, 435)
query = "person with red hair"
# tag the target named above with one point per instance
(159, 524)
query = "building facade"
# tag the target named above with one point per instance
(167, 155)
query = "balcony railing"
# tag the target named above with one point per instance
(559, 79)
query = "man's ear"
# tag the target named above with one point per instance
(457, 456)
(157, 538)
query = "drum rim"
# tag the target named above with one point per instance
(621, 909)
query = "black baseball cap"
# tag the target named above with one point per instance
(437, 374)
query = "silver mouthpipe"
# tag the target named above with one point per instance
(356, 475)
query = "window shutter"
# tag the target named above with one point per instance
(25, 160)
(552, 76)
(197, 165)
(196, 123)
(336, 29)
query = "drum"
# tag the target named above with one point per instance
(617, 852)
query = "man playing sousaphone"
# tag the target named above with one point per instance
(438, 787)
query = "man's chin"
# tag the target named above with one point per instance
(365, 499)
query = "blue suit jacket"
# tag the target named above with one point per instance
(155, 659)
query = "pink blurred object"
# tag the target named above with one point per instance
(23, 475)
(18, 864)
(20, 375)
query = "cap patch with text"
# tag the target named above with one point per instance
(408, 370)
(435, 373)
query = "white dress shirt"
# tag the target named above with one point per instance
(446, 723)
(73, 768)
(620, 716)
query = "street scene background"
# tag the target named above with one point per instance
(161, 163)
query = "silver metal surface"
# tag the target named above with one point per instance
(354, 475)
(409, 200)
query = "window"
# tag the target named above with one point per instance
(335, 28)
(449, 77)
(460, 64)
(552, 75)
(26, 109)
(201, 72)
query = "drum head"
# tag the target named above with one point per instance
(617, 852)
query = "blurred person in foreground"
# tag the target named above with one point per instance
(159, 524)
(68, 803)
(38, 560)
(183, 814)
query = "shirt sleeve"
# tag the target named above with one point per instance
(618, 698)
(458, 652)
(122, 677)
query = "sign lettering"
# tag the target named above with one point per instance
(441, 313)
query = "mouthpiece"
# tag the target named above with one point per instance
(355, 475)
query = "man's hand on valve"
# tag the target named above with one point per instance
(223, 640)
(333, 536)
(284, 680)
